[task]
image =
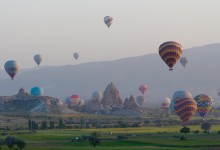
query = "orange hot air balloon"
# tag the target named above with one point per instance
(170, 52)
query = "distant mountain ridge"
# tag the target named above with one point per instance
(201, 75)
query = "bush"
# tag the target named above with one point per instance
(185, 130)
(121, 137)
(182, 138)
(85, 137)
(176, 136)
(218, 132)
(206, 127)
(196, 132)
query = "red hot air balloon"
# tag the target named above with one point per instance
(74, 99)
(143, 88)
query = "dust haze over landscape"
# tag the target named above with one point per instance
(200, 76)
(111, 74)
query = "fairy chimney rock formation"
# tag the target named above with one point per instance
(130, 104)
(111, 97)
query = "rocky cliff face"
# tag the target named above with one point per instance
(111, 97)
(24, 102)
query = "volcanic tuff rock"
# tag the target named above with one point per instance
(111, 97)
(130, 104)
(93, 105)
(23, 102)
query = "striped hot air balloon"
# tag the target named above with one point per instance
(204, 104)
(185, 108)
(170, 52)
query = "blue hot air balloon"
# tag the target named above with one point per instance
(37, 91)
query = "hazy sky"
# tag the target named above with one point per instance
(58, 28)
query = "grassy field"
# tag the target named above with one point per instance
(164, 138)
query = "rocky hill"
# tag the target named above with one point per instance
(23, 102)
(111, 97)
(111, 103)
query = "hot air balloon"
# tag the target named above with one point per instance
(38, 59)
(185, 108)
(108, 20)
(170, 53)
(76, 55)
(218, 92)
(81, 102)
(171, 108)
(166, 103)
(143, 88)
(74, 100)
(12, 68)
(181, 94)
(183, 61)
(204, 104)
(37, 91)
(97, 95)
(140, 100)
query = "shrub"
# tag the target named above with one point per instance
(182, 138)
(185, 130)
(176, 136)
(197, 131)
(121, 137)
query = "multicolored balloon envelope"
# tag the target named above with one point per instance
(170, 53)
(185, 108)
(204, 104)
(181, 94)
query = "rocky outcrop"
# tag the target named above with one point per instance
(111, 97)
(93, 106)
(24, 102)
(130, 104)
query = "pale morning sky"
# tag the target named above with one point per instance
(58, 28)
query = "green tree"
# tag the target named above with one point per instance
(81, 122)
(10, 142)
(1, 143)
(94, 139)
(29, 124)
(51, 124)
(61, 124)
(185, 130)
(20, 143)
(206, 127)
(44, 124)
